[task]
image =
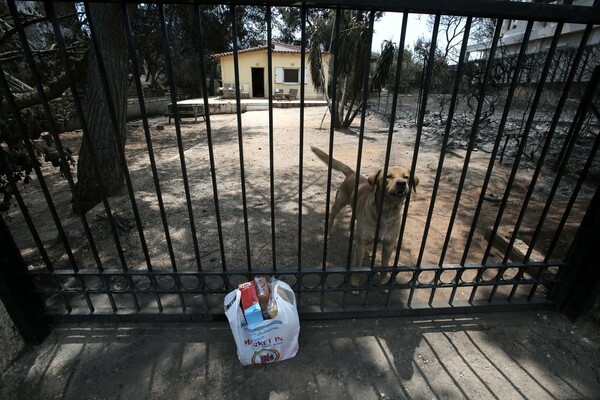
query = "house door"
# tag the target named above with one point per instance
(258, 82)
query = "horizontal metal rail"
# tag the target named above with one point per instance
(472, 8)
(326, 308)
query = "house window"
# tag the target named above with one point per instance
(291, 75)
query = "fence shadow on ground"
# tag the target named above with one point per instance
(499, 356)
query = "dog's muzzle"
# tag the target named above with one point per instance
(399, 189)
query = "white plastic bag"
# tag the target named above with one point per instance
(268, 341)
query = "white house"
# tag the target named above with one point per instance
(513, 31)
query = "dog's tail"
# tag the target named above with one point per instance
(335, 164)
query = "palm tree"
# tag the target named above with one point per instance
(350, 47)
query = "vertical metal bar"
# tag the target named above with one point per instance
(301, 141)
(393, 119)
(29, 222)
(202, 54)
(580, 282)
(361, 135)
(422, 109)
(473, 135)
(188, 197)
(21, 302)
(28, 146)
(548, 141)
(579, 80)
(518, 277)
(588, 101)
(30, 152)
(515, 169)
(584, 107)
(575, 127)
(507, 108)
(120, 149)
(333, 83)
(334, 51)
(528, 124)
(138, 85)
(12, 105)
(449, 120)
(112, 114)
(572, 131)
(271, 146)
(572, 200)
(435, 282)
(140, 94)
(65, 168)
(513, 85)
(24, 210)
(64, 165)
(211, 155)
(365, 100)
(49, 8)
(236, 72)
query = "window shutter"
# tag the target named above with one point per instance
(278, 75)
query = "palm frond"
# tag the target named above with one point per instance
(317, 70)
(383, 69)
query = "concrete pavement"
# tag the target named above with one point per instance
(520, 355)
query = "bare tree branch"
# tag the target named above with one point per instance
(54, 89)
(15, 54)
(10, 32)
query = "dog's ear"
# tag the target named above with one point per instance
(414, 182)
(373, 180)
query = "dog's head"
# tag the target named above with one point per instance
(398, 182)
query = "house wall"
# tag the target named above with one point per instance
(258, 59)
(540, 40)
(542, 35)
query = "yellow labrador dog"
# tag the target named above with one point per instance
(397, 186)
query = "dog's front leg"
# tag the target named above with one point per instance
(386, 253)
(358, 254)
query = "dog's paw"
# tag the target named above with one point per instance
(382, 278)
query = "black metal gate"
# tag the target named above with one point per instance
(540, 174)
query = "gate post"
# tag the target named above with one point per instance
(21, 302)
(580, 280)
(580, 288)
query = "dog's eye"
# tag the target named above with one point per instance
(390, 176)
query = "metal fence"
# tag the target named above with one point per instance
(458, 246)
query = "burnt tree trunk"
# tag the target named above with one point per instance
(103, 142)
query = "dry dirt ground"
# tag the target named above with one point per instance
(256, 156)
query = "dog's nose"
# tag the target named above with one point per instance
(401, 184)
